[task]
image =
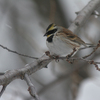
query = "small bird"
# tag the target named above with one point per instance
(62, 41)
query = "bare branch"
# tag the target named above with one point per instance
(87, 47)
(64, 77)
(83, 15)
(17, 52)
(28, 69)
(2, 90)
(1, 73)
(98, 45)
(35, 66)
(96, 13)
(31, 88)
(11, 75)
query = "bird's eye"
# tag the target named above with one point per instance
(51, 32)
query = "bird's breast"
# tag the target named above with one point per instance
(59, 47)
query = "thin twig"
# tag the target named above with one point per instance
(87, 47)
(70, 55)
(17, 52)
(68, 58)
(31, 88)
(88, 61)
(1, 73)
(34, 66)
(2, 90)
(64, 77)
(98, 45)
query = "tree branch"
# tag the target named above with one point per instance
(31, 88)
(98, 45)
(2, 90)
(43, 61)
(17, 52)
(63, 77)
(28, 69)
(35, 66)
(83, 15)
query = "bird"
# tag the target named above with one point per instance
(61, 41)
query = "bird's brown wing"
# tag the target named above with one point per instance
(72, 37)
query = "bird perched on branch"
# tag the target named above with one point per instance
(62, 42)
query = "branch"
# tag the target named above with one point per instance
(17, 52)
(2, 90)
(98, 45)
(28, 69)
(31, 88)
(63, 77)
(83, 15)
(35, 66)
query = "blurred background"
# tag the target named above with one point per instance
(22, 26)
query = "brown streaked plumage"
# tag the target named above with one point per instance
(66, 33)
(62, 41)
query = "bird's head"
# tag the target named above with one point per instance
(51, 29)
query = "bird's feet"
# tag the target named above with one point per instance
(70, 55)
(52, 56)
(48, 53)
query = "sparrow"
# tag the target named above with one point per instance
(62, 41)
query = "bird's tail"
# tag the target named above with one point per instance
(88, 45)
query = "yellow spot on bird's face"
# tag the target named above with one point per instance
(52, 27)
(48, 35)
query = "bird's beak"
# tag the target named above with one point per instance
(45, 34)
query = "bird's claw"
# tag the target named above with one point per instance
(52, 56)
